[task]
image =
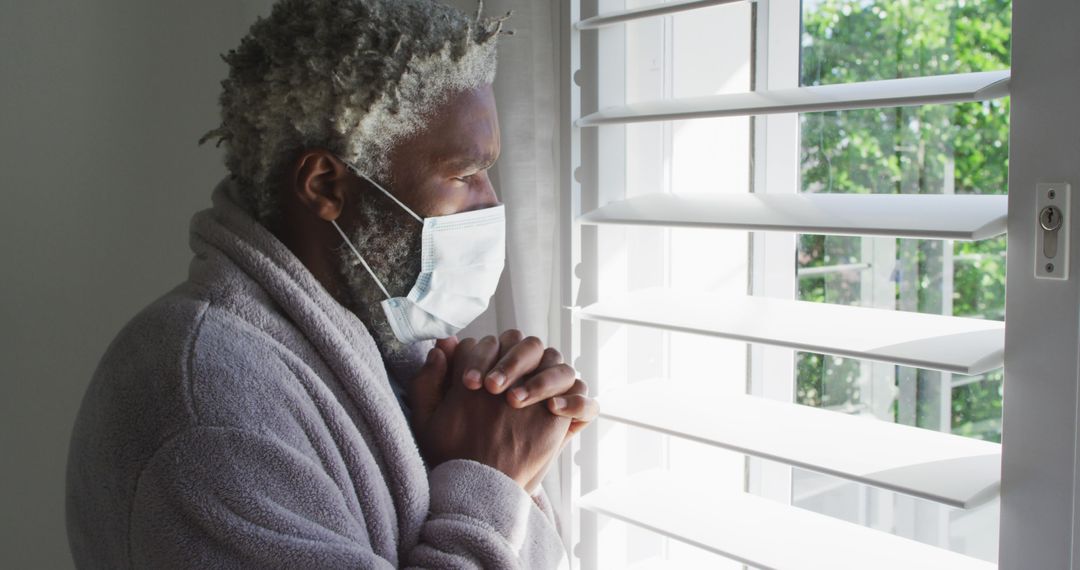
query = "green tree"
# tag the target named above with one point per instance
(916, 150)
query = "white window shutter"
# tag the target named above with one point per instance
(947, 469)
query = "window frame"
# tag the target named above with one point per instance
(1041, 449)
(1040, 490)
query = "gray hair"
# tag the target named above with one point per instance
(351, 76)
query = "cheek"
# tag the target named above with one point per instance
(442, 197)
(423, 194)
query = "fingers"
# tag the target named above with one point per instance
(551, 358)
(508, 340)
(575, 427)
(578, 407)
(520, 360)
(426, 390)
(506, 360)
(553, 381)
(457, 366)
(579, 387)
(479, 360)
(447, 345)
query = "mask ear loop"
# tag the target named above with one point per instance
(384, 191)
(361, 258)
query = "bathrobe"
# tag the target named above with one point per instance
(246, 419)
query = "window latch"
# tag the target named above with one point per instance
(1052, 242)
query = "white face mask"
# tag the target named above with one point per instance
(461, 260)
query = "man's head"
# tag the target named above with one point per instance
(399, 88)
(354, 77)
(441, 170)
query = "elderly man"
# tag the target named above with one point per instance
(259, 414)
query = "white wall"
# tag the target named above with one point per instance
(101, 105)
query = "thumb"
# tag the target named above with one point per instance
(426, 391)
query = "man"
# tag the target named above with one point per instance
(259, 414)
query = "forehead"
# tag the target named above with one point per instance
(465, 130)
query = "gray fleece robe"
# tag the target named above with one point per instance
(245, 419)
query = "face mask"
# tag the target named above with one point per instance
(461, 260)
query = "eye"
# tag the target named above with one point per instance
(465, 178)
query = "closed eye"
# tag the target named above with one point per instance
(466, 178)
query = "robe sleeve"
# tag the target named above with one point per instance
(216, 497)
(480, 518)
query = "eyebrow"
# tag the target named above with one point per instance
(470, 163)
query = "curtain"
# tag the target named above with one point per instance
(526, 177)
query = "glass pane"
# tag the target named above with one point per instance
(866, 40)
(689, 54)
(929, 149)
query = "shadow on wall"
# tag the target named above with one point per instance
(102, 105)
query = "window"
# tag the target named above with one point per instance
(786, 251)
(960, 148)
(957, 148)
(683, 55)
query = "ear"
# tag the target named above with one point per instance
(320, 183)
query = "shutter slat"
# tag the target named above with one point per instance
(621, 16)
(763, 533)
(956, 471)
(956, 88)
(950, 344)
(654, 564)
(924, 216)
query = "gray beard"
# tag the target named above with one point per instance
(389, 240)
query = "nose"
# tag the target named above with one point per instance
(483, 194)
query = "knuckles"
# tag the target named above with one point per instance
(580, 387)
(533, 343)
(552, 355)
(560, 376)
(511, 336)
(575, 403)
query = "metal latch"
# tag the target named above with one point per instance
(1052, 242)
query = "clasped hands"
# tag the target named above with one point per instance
(508, 402)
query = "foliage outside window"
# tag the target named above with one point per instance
(906, 150)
